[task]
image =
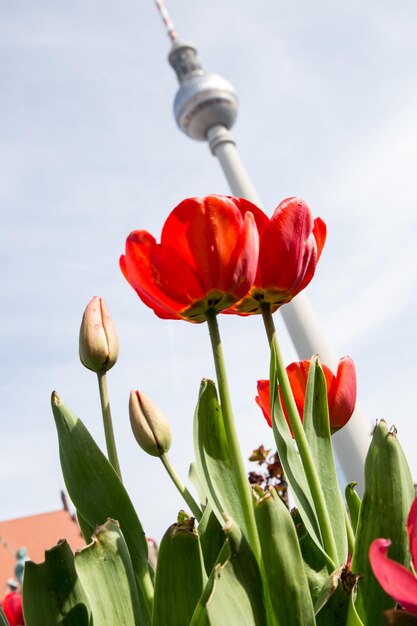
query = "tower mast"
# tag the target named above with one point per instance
(205, 108)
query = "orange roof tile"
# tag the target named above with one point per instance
(36, 533)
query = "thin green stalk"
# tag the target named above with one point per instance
(301, 440)
(236, 459)
(349, 532)
(107, 423)
(195, 509)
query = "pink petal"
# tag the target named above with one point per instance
(396, 580)
(412, 531)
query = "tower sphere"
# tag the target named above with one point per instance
(203, 99)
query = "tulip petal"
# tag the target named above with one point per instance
(298, 374)
(320, 234)
(207, 259)
(263, 400)
(160, 278)
(412, 531)
(158, 310)
(342, 394)
(246, 264)
(206, 234)
(396, 580)
(261, 219)
(284, 253)
(290, 247)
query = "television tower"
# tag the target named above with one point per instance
(205, 108)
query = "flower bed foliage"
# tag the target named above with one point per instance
(236, 555)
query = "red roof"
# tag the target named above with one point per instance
(36, 533)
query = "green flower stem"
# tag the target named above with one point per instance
(107, 422)
(195, 509)
(236, 459)
(349, 532)
(301, 440)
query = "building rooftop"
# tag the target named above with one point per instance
(36, 533)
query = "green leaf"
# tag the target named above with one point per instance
(333, 603)
(291, 462)
(52, 592)
(86, 529)
(194, 476)
(213, 457)
(97, 492)
(285, 578)
(233, 595)
(353, 618)
(212, 538)
(3, 620)
(353, 502)
(105, 570)
(387, 498)
(180, 576)
(315, 563)
(317, 429)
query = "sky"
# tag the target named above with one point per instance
(90, 151)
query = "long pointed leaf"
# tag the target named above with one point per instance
(52, 591)
(105, 570)
(96, 490)
(180, 575)
(233, 595)
(353, 618)
(333, 603)
(285, 578)
(213, 458)
(291, 462)
(314, 561)
(317, 429)
(85, 527)
(212, 538)
(387, 498)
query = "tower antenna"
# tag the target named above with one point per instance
(205, 108)
(171, 30)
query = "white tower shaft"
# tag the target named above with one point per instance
(351, 444)
(205, 108)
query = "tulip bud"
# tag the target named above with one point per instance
(149, 425)
(99, 345)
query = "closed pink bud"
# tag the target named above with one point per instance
(149, 425)
(99, 345)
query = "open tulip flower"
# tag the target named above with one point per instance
(341, 391)
(207, 258)
(291, 243)
(394, 578)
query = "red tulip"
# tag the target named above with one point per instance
(341, 391)
(291, 243)
(394, 578)
(206, 260)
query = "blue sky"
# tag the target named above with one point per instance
(90, 151)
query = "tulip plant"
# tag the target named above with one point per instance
(235, 556)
